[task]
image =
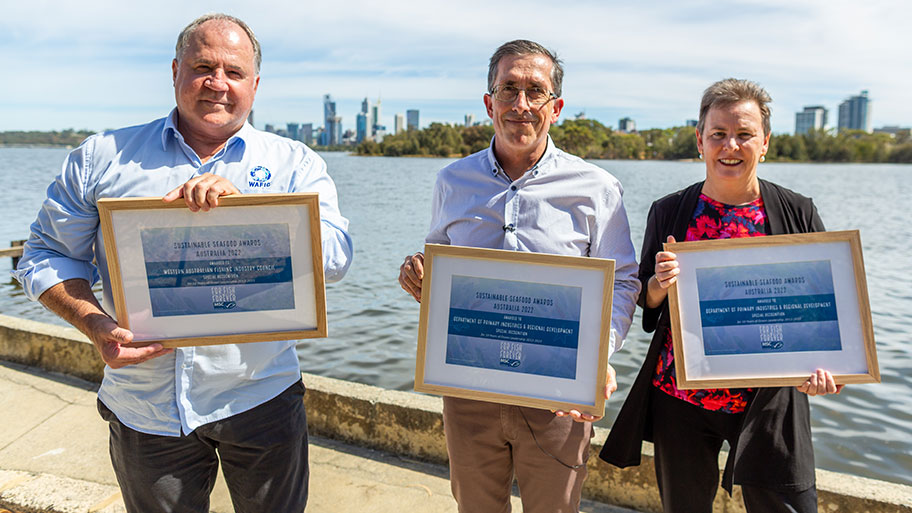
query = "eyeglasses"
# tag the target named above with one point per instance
(534, 95)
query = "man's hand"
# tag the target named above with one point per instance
(820, 383)
(202, 192)
(74, 301)
(411, 272)
(109, 339)
(611, 387)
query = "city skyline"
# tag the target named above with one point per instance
(94, 65)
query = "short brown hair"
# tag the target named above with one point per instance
(526, 47)
(733, 90)
(183, 39)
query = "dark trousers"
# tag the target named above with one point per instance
(263, 454)
(687, 442)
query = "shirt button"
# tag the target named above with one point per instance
(512, 187)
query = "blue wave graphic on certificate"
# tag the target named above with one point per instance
(514, 326)
(762, 308)
(194, 270)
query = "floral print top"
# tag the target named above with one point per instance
(713, 220)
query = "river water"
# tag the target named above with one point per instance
(866, 430)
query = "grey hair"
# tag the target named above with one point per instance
(732, 90)
(183, 40)
(525, 47)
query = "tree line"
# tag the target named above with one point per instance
(586, 138)
(69, 137)
(591, 139)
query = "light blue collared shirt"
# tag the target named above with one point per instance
(193, 385)
(562, 206)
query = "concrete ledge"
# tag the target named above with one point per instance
(26, 492)
(411, 424)
(49, 347)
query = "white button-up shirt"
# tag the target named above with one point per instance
(563, 205)
(192, 386)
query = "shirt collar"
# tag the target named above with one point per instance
(540, 167)
(169, 130)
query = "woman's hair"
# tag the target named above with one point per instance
(730, 91)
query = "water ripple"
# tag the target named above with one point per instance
(373, 324)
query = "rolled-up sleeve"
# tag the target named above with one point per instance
(336, 242)
(439, 215)
(612, 240)
(61, 243)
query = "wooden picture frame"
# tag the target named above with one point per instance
(512, 327)
(769, 311)
(249, 270)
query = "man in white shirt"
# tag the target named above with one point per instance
(174, 414)
(524, 194)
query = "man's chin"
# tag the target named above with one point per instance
(214, 123)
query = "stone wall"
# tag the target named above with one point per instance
(411, 424)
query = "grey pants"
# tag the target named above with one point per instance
(263, 453)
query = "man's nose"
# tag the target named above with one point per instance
(521, 102)
(216, 81)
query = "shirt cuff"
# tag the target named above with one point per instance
(43, 275)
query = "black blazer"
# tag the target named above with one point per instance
(774, 447)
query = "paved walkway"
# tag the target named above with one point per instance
(54, 458)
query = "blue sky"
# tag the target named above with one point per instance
(101, 64)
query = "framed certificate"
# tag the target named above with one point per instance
(512, 327)
(769, 311)
(250, 270)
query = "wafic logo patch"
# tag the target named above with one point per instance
(259, 177)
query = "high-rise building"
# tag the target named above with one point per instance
(469, 119)
(412, 119)
(375, 117)
(690, 122)
(335, 136)
(811, 118)
(398, 123)
(293, 131)
(627, 125)
(368, 111)
(329, 122)
(306, 133)
(361, 125)
(855, 113)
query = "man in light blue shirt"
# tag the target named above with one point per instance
(173, 413)
(524, 194)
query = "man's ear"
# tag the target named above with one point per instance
(556, 108)
(489, 105)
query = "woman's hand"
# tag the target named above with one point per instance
(666, 274)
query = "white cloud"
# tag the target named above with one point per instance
(108, 60)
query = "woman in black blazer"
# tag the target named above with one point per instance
(768, 429)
